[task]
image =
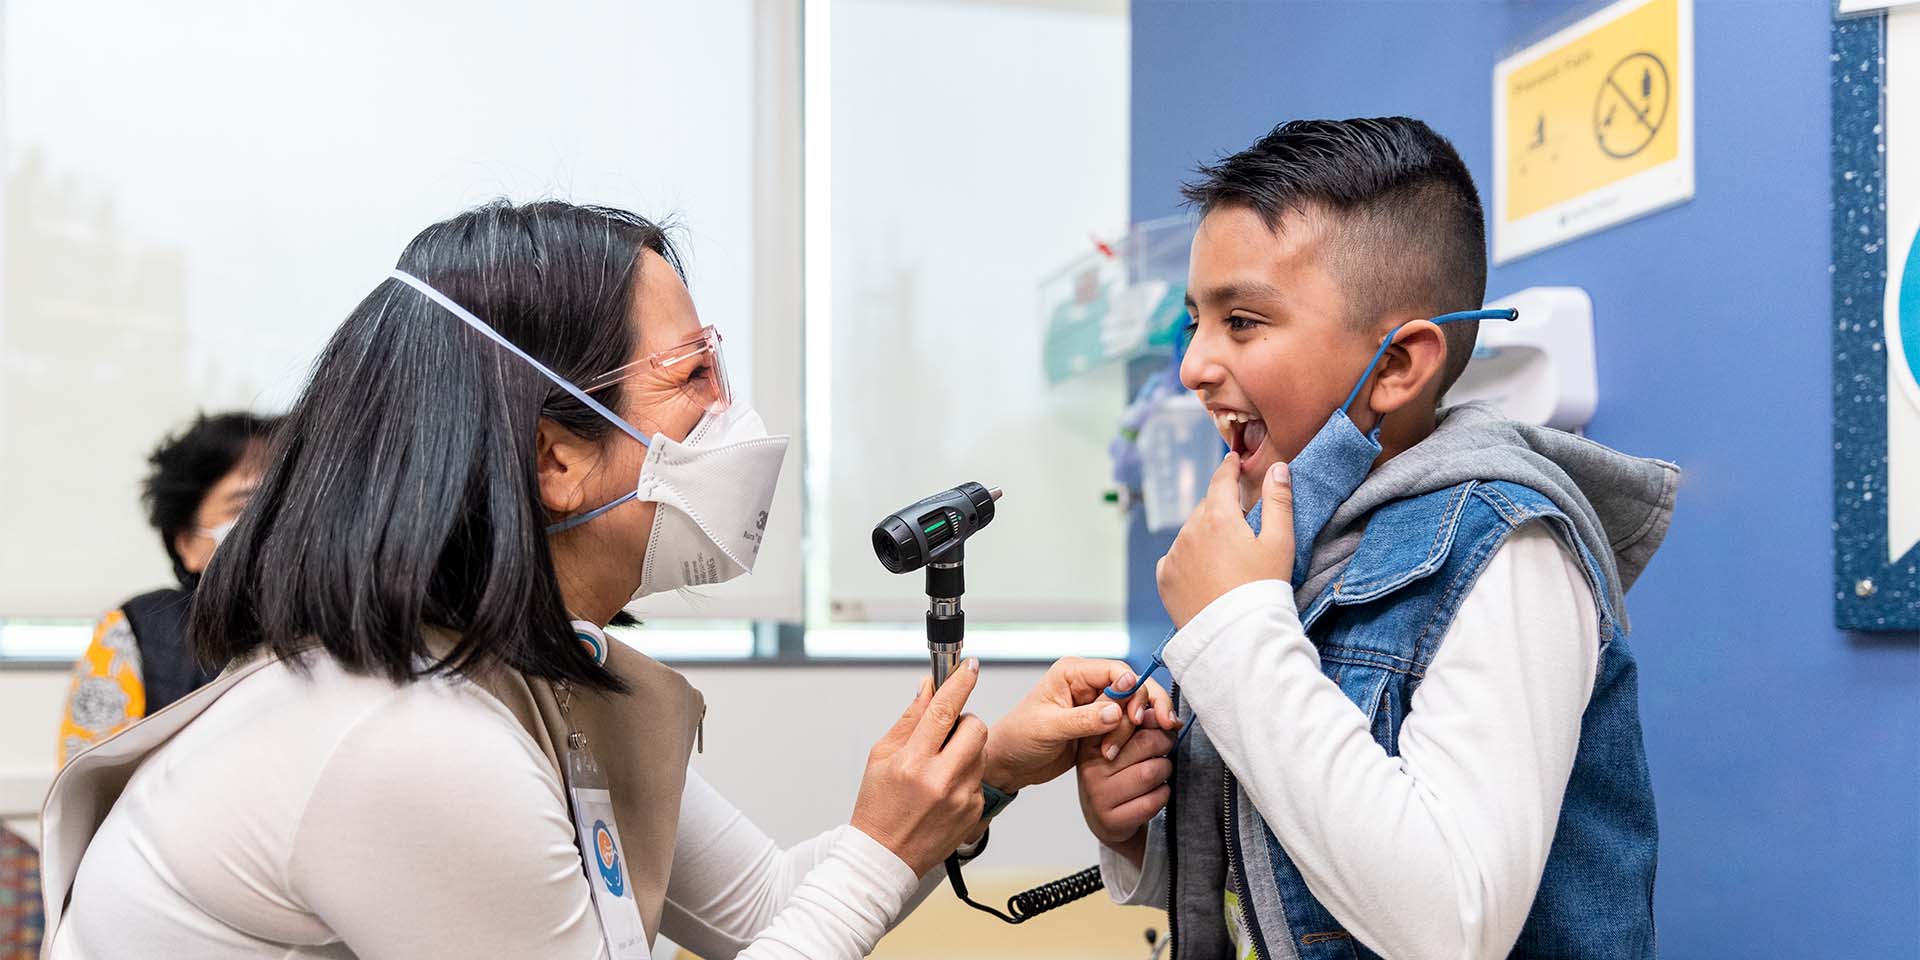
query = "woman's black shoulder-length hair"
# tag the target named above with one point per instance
(401, 489)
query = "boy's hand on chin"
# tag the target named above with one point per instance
(1216, 551)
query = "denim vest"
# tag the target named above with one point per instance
(1377, 627)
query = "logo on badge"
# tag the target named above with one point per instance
(607, 857)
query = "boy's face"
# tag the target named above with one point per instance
(1272, 354)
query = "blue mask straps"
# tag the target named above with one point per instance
(571, 522)
(1506, 314)
(1155, 664)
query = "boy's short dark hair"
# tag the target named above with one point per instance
(1405, 228)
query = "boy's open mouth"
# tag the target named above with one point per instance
(1243, 432)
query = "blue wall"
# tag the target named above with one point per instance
(1786, 754)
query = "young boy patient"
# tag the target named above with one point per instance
(1412, 716)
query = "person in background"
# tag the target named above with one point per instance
(139, 660)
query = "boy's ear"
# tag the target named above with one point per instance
(1410, 368)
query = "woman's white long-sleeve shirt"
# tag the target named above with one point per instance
(335, 815)
(1437, 852)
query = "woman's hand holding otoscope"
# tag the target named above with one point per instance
(1038, 739)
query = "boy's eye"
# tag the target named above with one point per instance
(1187, 332)
(1241, 324)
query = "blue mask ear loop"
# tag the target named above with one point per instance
(1155, 665)
(1158, 661)
(1365, 375)
(467, 317)
(571, 522)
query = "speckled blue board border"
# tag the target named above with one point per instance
(1869, 592)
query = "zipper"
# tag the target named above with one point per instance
(700, 732)
(1173, 845)
(1236, 877)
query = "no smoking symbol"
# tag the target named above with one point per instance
(1631, 106)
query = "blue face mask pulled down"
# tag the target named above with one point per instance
(1329, 469)
(1337, 460)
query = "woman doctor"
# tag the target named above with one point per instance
(422, 727)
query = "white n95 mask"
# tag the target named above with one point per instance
(713, 489)
(713, 492)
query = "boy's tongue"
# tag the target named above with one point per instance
(1253, 435)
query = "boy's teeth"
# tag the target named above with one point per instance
(1231, 424)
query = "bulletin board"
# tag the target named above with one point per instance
(1876, 321)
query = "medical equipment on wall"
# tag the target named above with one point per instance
(1167, 445)
(1540, 368)
(1179, 447)
(1120, 300)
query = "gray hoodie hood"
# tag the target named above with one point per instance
(1620, 505)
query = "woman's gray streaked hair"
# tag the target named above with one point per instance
(402, 489)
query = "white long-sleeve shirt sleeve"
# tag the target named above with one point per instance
(1437, 852)
(1146, 884)
(735, 893)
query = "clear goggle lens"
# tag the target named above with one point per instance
(697, 366)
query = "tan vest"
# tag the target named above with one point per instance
(642, 740)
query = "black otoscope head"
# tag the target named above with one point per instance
(927, 531)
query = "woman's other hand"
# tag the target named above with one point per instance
(1035, 741)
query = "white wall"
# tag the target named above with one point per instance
(196, 195)
(976, 147)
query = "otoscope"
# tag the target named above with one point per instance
(933, 533)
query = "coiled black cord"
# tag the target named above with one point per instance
(1059, 893)
(1028, 904)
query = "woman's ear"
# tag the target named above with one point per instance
(1410, 368)
(564, 461)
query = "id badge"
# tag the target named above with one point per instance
(599, 839)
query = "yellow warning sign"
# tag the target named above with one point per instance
(1593, 125)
